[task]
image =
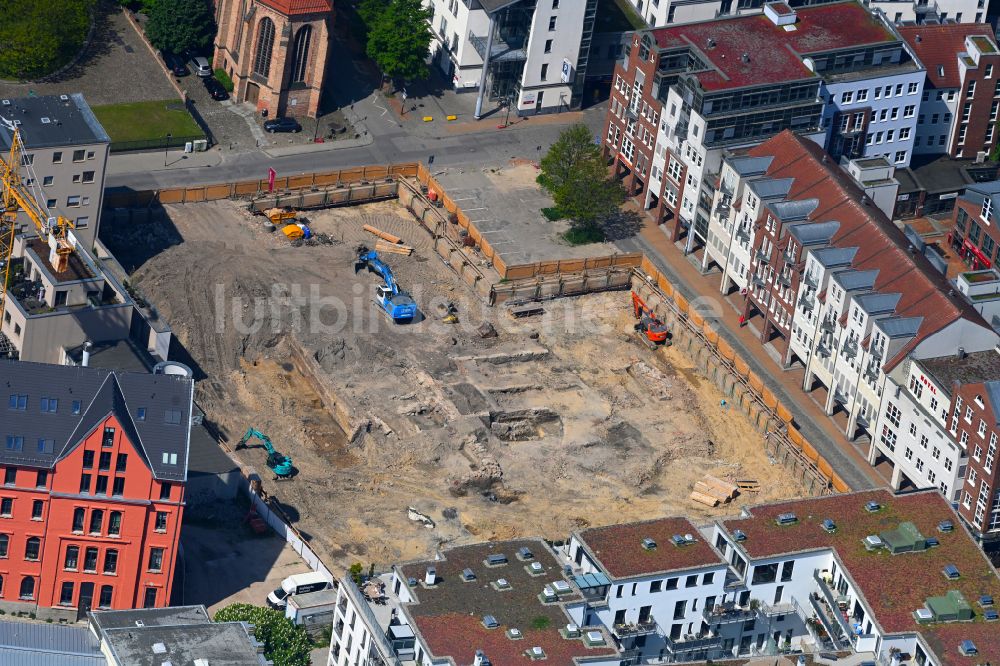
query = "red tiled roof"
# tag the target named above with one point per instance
(939, 45)
(775, 54)
(881, 245)
(893, 585)
(292, 7)
(618, 548)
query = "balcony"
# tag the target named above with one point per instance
(728, 613)
(762, 258)
(692, 643)
(629, 629)
(811, 281)
(832, 607)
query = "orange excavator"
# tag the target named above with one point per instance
(654, 332)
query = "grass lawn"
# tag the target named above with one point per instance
(617, 16)
(147, 121)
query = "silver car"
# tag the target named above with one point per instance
(200, 66)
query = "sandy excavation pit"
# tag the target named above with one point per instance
(561, 421)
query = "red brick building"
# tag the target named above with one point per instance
(974, 233)
(275, 51)
(961, 99)
(94, 464)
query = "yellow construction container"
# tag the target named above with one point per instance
(293, 231)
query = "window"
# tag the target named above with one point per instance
(988, 72)
(102, 485)
(904, 133)
(552, 23)
(109, 438)
(300, 51)
(84, 484)
(786, 570)
(77, 406)
(680, 609)
(115, 523)
(862, 95)
(50, 203)
(105, 599)
(6, 507)
(10, 476)
(88, 459)
(41, 478)
(909, 111)
(4, 543)
(78, 155)
(90, 559)
(765, 573)
(545, 71)
(671, 583)
(96, 520)
(149, 598)
(57, 157)
(121, 462)
(27, 588)
(892, 413)
(111, 561)
(265, 44)
(691, 581)
(895, 113)
(66, 594)
(155, 559)
(37, 508)
(900, 156)
(890, 135)
(31, 548)
(548, 46)
(164, 491)
(118, 489)
(555, 4)
(847, 97)
(50, 405)
(105, 462)
(161, 526)
(654, 586)
(18, 402)
(71, 560)
(79, 515)
(76, 178)
(911, 89)
(987, 213)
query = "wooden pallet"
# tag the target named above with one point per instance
(525, 310)
(748, 485)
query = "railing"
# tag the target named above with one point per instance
(728, 613)
(833, 602)
(154, 144)
(676, 645)
(833, 634)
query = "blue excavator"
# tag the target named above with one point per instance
(396, 303)
(278, 463)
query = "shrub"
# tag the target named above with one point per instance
(284, 643)
(552, 213)
(224, 79)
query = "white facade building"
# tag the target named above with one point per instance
(538, 50)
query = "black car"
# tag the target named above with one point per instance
(282, 125)
(175, 64)
(215, 89)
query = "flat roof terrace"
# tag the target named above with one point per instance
(752, 50)
(76, 269)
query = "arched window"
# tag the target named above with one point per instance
(265, 44)
(4, 543)
(27, 587)
(300, 52)
(31, 548)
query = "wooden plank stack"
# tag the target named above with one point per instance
(394, 249)
(712, 491)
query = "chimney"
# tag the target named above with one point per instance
(85, 357)
(918, 39)
(745, 57)
(960, 353)
(864, 199)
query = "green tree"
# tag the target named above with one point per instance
(180, 25)
(284, 643)
(399, 39)
(574, 173)
(37, 38)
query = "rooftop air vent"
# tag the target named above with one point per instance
(946, 526)
(649, 544)
(159, 648)
(787, 519)
(930, 542)
(536, 653)
(430, 577)
(872, 507)
(64, 98)
(711, 43)
(572, 631)
(525, 553)
(502, 584)
(514, 634)
(548, 594)
(140, 623)
(986, 600)
(991, 615)
(496, 559)
(411, 581)
(968, 648)
(468, 575)
(536, 567)
(677, 539)
(950, 572)
(923, 615)
(6, 102)
(561, 587)
(829, 526)
(873, 542)
(739, 535)
(490, 622)
(594, 638)
(46, 120)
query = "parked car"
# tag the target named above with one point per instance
(215, 89)
(200, 66)
(175, 64)
(282, 125)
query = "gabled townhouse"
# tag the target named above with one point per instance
(94, 471)
(961, 97)
(834, 290)
(686, 94)
(974, 234)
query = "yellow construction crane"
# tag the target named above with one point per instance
(15, 197)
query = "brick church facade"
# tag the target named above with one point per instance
(275, 51)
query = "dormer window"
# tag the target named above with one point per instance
(987, 213)
(140, 414)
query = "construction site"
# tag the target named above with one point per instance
(461, 424)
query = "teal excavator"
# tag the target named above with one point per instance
(278, 463)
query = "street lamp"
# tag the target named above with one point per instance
(166, 147)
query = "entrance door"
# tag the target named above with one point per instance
(86, 599)
(538, 101)
(253, 92)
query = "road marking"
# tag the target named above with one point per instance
(464, 199)
(468, 209)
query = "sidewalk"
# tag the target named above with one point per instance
(812, 422)
(159, 160)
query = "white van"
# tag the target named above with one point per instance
(297, 584)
